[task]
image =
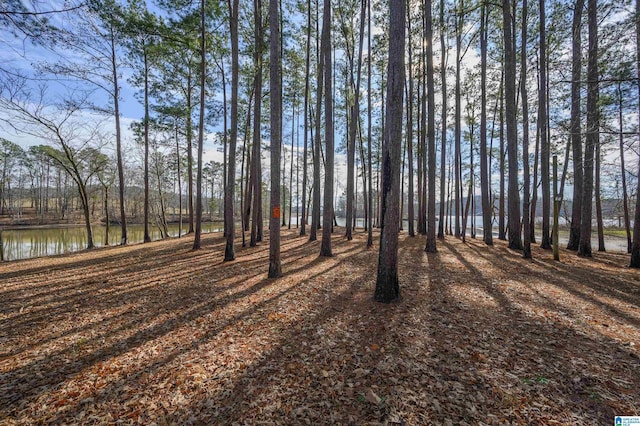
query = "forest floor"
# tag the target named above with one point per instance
(158, 333)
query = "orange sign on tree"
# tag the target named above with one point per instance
(276, 212)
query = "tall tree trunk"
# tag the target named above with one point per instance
(315, 214)
(544, 141)
(576, 137)
(190, 152)
(387, 285)
(409, 133)
(353, 125)
(327, 211)
(422, 132)
(592, 139)
(443, 120)
(365, 174)
(502, 235)
(458, 120)
(229, 252)
(116, 109)
(623, 170)
(402, 179)
(515, 239)
(283, 172)
(526, 252)
(487, 232)
(369, 130)
(305, 213)
(256, 163)
(225, 131)
(298, 172)
(147, 238)
(248, 176)
(379, 156)
(293, 120)
(635, 247)
(203, 80)
(275, 95)
(179, 180)
(430, 246)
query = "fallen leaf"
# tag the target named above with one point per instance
(372, 397)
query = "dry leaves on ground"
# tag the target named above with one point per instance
(158, 333)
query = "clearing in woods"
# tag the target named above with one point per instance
(160, 333)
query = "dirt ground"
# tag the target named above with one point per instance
(157, 333)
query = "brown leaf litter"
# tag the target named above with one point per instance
(160, 334)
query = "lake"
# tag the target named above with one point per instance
(25, 243)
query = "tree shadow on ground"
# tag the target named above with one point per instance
(191, 339)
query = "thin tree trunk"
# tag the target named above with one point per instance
(106, 216)
(355, 120)
(565, 168)
(449, 216)
(379, 156)
(246, 190)
(422, 133)
(458, 120)
(487, 231)
(256, 164)
(162, 201)
(409, 133)
(544, 141)
(502, 235)
(465, 214)
(635, 247)
(190, 153)
(293, 120)
(526, 252)
(283, 172)
(225, 128)
(599, 220)
(430, 246)
(147, 238)
(534, 188)
(203, 80)
(116, 110)
(625, 198)
(315, 215)
(179, 181)
(305, 213)
(365, 199)
(402, 179)
(443, 135)
(369, 130)
(84, 199)
(298, 172)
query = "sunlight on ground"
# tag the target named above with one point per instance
(161, 333)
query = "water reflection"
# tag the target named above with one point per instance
(36, 242)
